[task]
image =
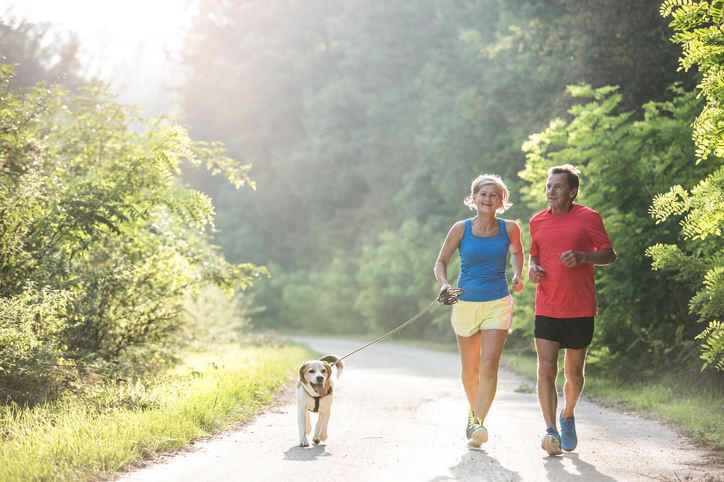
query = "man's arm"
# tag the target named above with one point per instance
(535, 270)
(600, 257)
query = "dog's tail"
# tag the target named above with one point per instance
(334, 360)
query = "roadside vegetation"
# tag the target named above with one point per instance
(129, 247)
(693, 402)
(114, 426)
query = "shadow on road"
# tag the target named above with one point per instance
(478, 465)
(585, 471)
(306, 454)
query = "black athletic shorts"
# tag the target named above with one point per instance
(574, 333)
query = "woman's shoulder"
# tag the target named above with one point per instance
(512, 229)
(461, 224)
(510, 224)
(459, 227)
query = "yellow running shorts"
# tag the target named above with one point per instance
(468, 317)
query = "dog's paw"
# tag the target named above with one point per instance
(316, 441)
(304, 443)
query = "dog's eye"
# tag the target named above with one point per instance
(324, 370)
(311, 370)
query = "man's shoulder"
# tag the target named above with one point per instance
(585, 212)
(539, 216)
(584, 209)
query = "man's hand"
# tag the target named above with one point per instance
(536, 273)
(570, 258)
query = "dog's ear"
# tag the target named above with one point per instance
(327, 370)
(302, 370)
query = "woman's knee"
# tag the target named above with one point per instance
(489, 367)
(470, 372)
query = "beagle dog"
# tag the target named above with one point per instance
(314, 394)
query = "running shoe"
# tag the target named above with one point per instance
(480, 435)
(568, 433)
(551, 442)
(471, 424)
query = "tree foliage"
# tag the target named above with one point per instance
(643, 318)
(698, 27)
(99, 240)
(39, 55)
(359, 117)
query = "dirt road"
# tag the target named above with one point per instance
(399, 414)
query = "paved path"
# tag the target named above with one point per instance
(399, 414)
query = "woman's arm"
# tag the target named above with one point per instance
(452, 241)
(517, 256)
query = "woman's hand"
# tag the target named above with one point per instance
(445, 287)
(517, 284)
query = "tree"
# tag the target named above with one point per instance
(99, 240)
(698, 27)
(643, 320)
(38, 58)
(359, 116)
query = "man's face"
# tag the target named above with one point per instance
(558, 193)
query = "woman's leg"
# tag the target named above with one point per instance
(491, 347)
(469, 347)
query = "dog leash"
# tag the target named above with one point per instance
(447, 297)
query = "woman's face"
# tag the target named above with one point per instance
(488, 198)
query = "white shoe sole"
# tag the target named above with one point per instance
(479, 437)
(551, 445)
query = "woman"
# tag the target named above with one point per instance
(483, 315)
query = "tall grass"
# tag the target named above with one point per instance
(121, 424)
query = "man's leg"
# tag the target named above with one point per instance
(573, 366)
(547, 373)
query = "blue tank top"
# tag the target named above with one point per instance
(482, 264)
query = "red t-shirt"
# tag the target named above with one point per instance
(566, 292)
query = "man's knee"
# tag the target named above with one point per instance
(574, 376)
(547, 369)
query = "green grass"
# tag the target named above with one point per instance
(688, 401)
(112, 427)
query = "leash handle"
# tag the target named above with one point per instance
(450, 296)
(446, 297)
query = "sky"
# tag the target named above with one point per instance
(123, 43)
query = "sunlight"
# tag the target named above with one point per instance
(140, 18)
(113, 31)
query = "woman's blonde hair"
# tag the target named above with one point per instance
(484, 180)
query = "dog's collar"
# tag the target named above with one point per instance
(317, 398)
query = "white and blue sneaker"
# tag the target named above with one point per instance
(568, 433)
(551, 442)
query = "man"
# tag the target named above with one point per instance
(567, 240)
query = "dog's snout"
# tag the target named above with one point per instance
(320, 379)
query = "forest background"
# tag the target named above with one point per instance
(366, 123)
(360, 125)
